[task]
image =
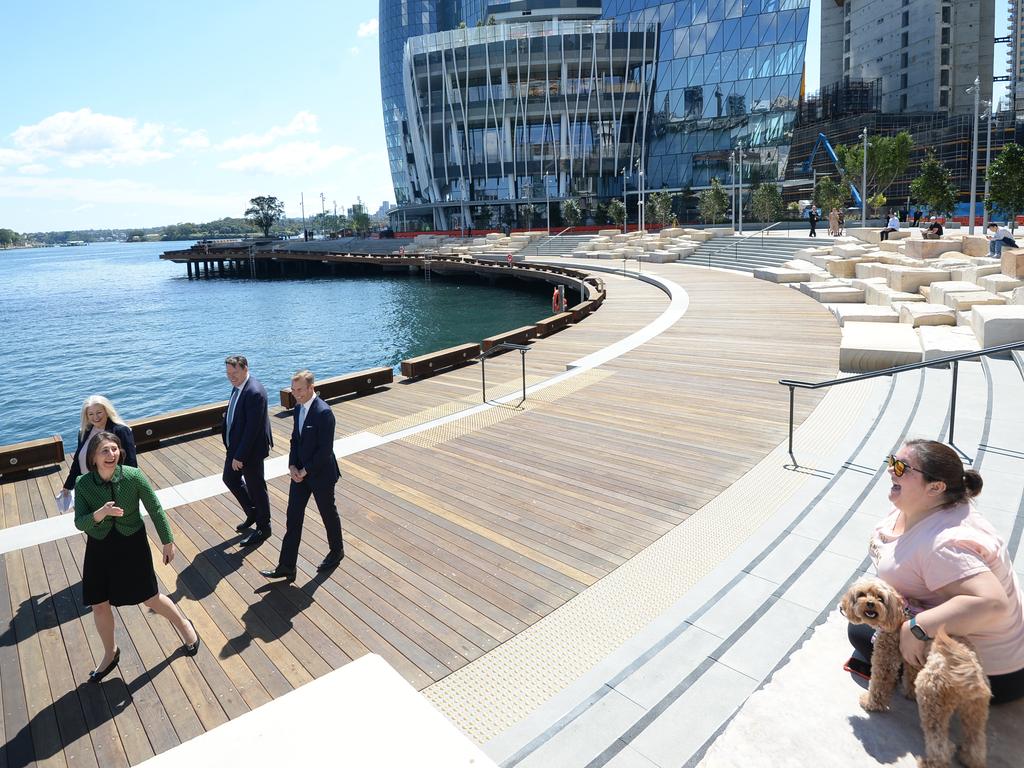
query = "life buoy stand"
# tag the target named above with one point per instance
(556, 301)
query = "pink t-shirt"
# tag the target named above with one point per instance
(949, 545)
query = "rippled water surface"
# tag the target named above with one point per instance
(112, 318)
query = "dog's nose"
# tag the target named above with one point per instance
(870, 603)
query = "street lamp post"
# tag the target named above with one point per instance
(864, 184)
(988, 153)
(732, 190)
(323, 215)
(624, 218)
(974, 155)
(640, 213)
(739, 162)
(547, 203)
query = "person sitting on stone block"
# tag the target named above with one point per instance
(998, 237)
(934, 231)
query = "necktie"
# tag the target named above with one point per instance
(302, 416)
(231, 410)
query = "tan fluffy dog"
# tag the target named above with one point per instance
(951, 680)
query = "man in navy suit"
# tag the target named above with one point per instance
(246, 435)
(314, 471)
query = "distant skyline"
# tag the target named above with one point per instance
(127, 114)
(124, 114)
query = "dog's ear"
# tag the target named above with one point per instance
(846, 607)
(893, 600)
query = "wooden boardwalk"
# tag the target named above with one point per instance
(456, 539)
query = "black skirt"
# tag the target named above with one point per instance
(118, 569)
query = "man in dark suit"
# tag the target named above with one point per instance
(246, 435)
(314, 472)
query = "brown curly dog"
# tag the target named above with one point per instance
(951, 680)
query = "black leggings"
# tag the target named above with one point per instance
(1005, 688)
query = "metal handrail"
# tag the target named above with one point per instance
(523, 349)
(735, 244)
(536, 248)
(954, 359)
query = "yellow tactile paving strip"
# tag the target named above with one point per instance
(503, 687)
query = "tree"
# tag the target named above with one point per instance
(829, 194)
(659, 207)
(877, 202)
(616, 212)
(1006, 181)
(9, 237)
(934, 185)
(713, 203)
(767, 203)
(888, 159)
(264, 212)
(572, 215)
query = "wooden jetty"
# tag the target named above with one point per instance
(456, 538)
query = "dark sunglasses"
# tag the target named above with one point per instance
(898, 466)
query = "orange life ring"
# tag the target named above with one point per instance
(556, 304)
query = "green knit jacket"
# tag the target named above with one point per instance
(126, 488)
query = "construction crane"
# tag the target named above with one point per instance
(824, 142)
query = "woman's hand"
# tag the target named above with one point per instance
(64, 493)
(913, 651)
(110, 509)
(168, 552)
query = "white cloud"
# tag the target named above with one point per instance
(194, 140)
(115, 191)
(303, 122)
(293, 159)
(368, 28)
(33, 169)
(12, 157)
(85, 137)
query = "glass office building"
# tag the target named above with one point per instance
(728, 73)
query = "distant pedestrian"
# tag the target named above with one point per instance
(833, 223)
(313, 468)
(812, 219)
(98, 415)
(999, 237)
(247, 438)
(842, 222)
(118, 565)
(917, 217)
(892, 226)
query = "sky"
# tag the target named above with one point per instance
(137, 114)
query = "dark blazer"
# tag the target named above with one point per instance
(124, 434)
(250, 437)
(313, 449)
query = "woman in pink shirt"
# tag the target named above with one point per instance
(950, 565)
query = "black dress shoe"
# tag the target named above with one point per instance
(333, 560)
(254, 538)
(191, 649)
(288, 574)
(98, 674)
(246, 524)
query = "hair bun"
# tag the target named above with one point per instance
(973, 483)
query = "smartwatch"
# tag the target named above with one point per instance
(919, 633)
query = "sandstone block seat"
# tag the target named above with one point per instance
(996, 283)
(964, 300)
(1012, 262)
(940, 288)
(998, 324)
(909, 279)
(874, 234)
(782, 275)
(973, 273)
(931, 249)
(835, 294)
(885, 296)
(918, 313)
(944, 340)
(873, 346)
(863, 313)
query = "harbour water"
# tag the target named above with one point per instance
(112, 318)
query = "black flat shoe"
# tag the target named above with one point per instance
(333, 560)
(288, 574)
(98, 674)
(191, 649)
(246, 524)
(254, 538)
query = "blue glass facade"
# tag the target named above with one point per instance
(729, 71)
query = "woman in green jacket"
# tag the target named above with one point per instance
(118, 568)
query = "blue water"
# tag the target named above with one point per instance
(113, 319)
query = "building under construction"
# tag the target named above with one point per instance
(843, 110)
